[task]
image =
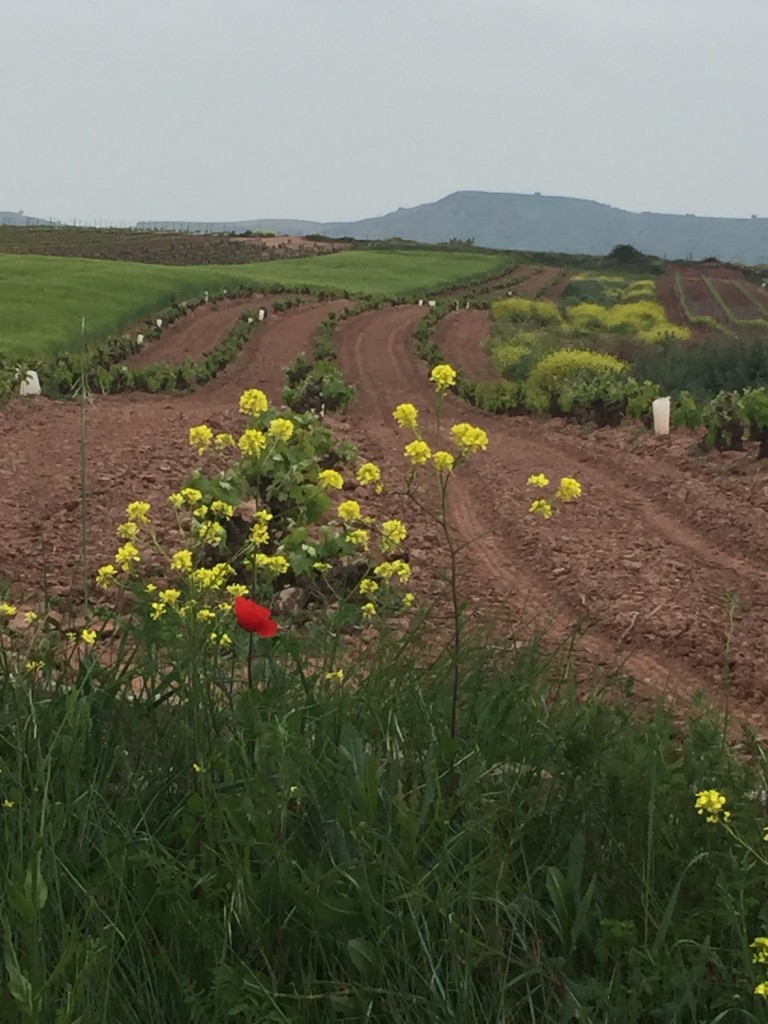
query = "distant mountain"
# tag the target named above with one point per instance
(20, 219)
(537, 223)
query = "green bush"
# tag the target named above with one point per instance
(527, 311)
(552, 381)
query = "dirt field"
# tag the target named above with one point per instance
(642, 563)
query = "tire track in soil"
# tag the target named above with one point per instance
(136, 447)
(650, 583)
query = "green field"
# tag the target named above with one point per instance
(44, 298)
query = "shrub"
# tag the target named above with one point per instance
(527, 311)
(556, 375)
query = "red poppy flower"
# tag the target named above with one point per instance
(254, 618)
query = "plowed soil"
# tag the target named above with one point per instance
(462, 338)
(641, 564)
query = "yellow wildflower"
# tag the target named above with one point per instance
(127, 556)
(406, 415)
(106, 576)
(222, 441)
(128, 531)
(396, 568)
(88, 636)
(252, 442)
(170, 596)
(349, 511)
(225, 640)
(711, 802)
(330, 480)
(157, 609)
(541, 507)
(276, 564)
(30, 617)
(335, 677)
(369, 473)
(443, 462)
(408, 599)
(34, 666)
(138, 511)
(359, 538)
(394, 533)
(369, 587)
(212, 533)
(443, 376)
(151, 588)
(200, 438)
(253, 402)
(281, 428)
(9, 804)
(181, 561)
(537, 480)
(468, 438)
(369, 610)
(760, 947)
(223, 509)
(322, 566)
(569, 489)
(237, 590)
(762, 989)
(259, 531)
(418, 452)
(7, 609)
(205, 615)
(197, 769)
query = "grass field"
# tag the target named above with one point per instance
(43, 299)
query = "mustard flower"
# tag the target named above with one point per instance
(9, 804)
(197, 769)
(253, 402)
(88, 636)
(397, 568)
(406, 415)
(128, 531)
(224, 440)
(712, 802)
(30, 617)
(569, 489)
(369, 587)
(138, 512)
(762, 989)
(276, 564)
(537, 480)
(330, 480)
(252, 442)
(170, 596)
(322, 566)
(222, 509)
(369, 610)
(157, 610)
(212, 533)
(205, 615)
(34, 666)
(105, 576)
(418, 452)
(368, 474)
(181, 561)
(259, 534)
(394, 533)
(127, 556)
(359, 538)
(237, 590)
(541, 507)
(443, 376)
(187, 496)
(468, 438)
(349, 511)
(281, 428)
(443, 462)
(335, 677)
(200, 438)
(760, 947)
(7, 609)
(408, 599)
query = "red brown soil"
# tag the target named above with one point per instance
(294, 244)
(666, 293)
(641, 563)
(195, 335)
(462, 337)
(528, 289)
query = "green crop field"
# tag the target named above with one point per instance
(43, 298)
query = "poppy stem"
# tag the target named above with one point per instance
(250, 660)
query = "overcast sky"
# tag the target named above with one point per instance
(122, 110)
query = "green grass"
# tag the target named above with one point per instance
(43, 298)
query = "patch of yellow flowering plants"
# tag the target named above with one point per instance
(265, 511)
(711, 805)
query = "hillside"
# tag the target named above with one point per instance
(542, 224)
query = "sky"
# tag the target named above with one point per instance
(125, 110)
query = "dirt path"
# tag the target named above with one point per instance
(644, 560)
(137, 447)
(462, 337)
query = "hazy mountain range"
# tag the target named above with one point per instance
(538, 223)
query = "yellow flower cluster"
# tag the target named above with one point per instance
(397, 569)
(181, 561)
(127, 557)
(222, 509)
(276, 564)
(212, 533)
(222, 441)
(712, 803)
(7, 609)
(370, 474)
(214, 578)
(538, 480)
(368, 587)
(359, 538)
(330, 480)
(281, 428)
(252, 442)
(541, 507)
(443, 376)
(88, 636)
(418, 452)
(569, 489)
(166, 598)
(369, 610)
(138, 512)
(200, 438)
(468, 438)
(443, 462)
(128, 531)
(105, 576)
(189, 496)
(349, 511)
(406, 415)
(260, 530)
(253, 402)
(394, 533)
